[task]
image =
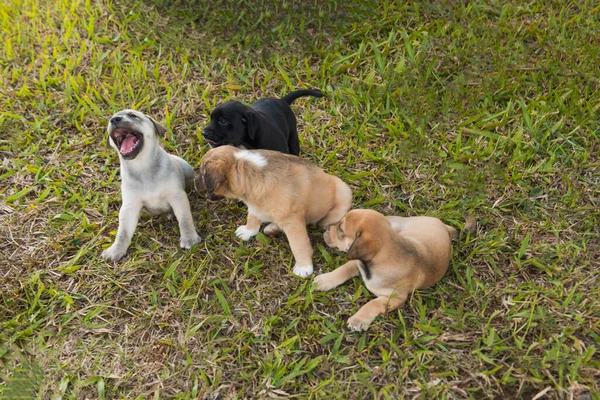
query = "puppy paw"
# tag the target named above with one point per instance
(323, 283)
(114, 253)
(244, 233)
(303, 271)
(187, 243)
(272, 229)
(358, 323)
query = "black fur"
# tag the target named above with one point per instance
(267, 124)
(366, 269)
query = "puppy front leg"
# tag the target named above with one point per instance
(187, 231)
(128, 219)
(367, 313)
(336, 277)
(245, 232)
(301, 248)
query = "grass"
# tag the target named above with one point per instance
(432, 108)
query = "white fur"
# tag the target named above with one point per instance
(303, 271)
(154, 181)
(264, 216)
(255, 158)
(244, 233)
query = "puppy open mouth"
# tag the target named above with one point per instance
(129, 142)
(211, 143)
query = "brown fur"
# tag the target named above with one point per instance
(394, 255)
(288, 191)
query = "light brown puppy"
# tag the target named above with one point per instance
(279, 188)
(394, 255)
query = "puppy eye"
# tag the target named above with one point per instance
(223, 121)
(132, 115)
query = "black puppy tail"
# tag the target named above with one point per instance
(300, 93)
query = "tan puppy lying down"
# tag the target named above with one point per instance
(394, 256)
(279, 188)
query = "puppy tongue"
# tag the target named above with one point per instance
(128, 144)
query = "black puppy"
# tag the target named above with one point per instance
(268, 124)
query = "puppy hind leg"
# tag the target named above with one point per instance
(294, 142)
(181, 208)
(301, 248)
(128, 219)
(336, 277)
(245, 232)
(272, 229)
(367, 313)
(342, 204)
(186, 170)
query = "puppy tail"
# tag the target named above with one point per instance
(301, 93)
(470, 223)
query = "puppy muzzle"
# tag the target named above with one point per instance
(214, 197)
(129, 142)
(211, 139)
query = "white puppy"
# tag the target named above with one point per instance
(152, 179)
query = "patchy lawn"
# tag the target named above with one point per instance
(430, 108)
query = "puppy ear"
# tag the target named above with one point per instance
(363, 247)
(212, 179)
(108, 138)
(199, 183)
(251, 122)
(158, 128)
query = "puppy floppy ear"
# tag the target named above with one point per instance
(249, 119)
(158, 128)
(212, 181)
(212, 178)
(108, 138)
(364, 246)
(199, 183)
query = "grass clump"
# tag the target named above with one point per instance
(430, 109)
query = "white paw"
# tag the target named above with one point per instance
(358, 324)
(114, 253)
(187, 243)
(303, 271)
(323, 283)
(244, 233)
(272, 229)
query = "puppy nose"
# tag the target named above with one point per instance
(114, 120)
